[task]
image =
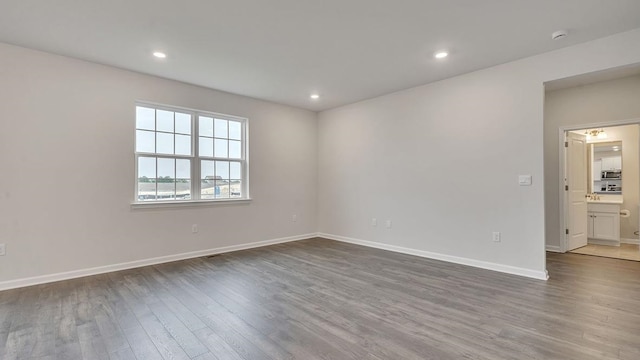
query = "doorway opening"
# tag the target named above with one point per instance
(600, 189)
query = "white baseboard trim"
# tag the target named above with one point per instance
(603, 242)
(540, 275)
(43, 279)
(630, 241)
(553, 248)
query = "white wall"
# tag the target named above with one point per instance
(601, 102)
(630, 170)
(67, 168)
(442, 160)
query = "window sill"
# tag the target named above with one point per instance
(190, 203)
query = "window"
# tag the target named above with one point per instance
(185, 155)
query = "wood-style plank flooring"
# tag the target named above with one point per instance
(321, 299)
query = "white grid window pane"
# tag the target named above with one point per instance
(183, 189)
(207, 169)
(235, 170)
(206, 126)
(183, 123)
(145, 118)
(145, 141)
(222, 189)
(146, 167)
(221, 148)
(235, 130)
(166, 182)
(207, 182)
(222, 170)
(220, 130)
(166, 168)
(164, 143)
(235, 188)
(183, 144)
(206, 147)
(147, 190)
(235, 149)
(166, 189)
(183, 169)
(164, 121)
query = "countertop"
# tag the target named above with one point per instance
(605, 201)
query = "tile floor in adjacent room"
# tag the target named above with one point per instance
(624, 251)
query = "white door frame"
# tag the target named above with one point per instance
(564, 208)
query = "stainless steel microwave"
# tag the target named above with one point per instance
(612, 174)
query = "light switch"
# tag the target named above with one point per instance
(524, 180)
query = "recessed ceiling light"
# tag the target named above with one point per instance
(441, 55)
(159, 55)
(560, 34)
(315, 96)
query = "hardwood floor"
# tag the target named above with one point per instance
(320, 299)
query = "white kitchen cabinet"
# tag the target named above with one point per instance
(612, 163)
(617, 163)
(604, 222)
(597, 170)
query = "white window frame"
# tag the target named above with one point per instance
(194, 158)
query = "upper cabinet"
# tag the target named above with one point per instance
(612, 163)
(597, 170)
(606, 166)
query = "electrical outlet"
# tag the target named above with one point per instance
(496, 236)
(194, 228)
(3, 250)
(294, 217)
(388, 224)
(374, 222)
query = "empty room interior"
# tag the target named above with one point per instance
(320, 180)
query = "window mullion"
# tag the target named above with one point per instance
(195, 165)
(243, 164)
(156, 179)
(175, 179)
(137, 182)
(155, 131)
